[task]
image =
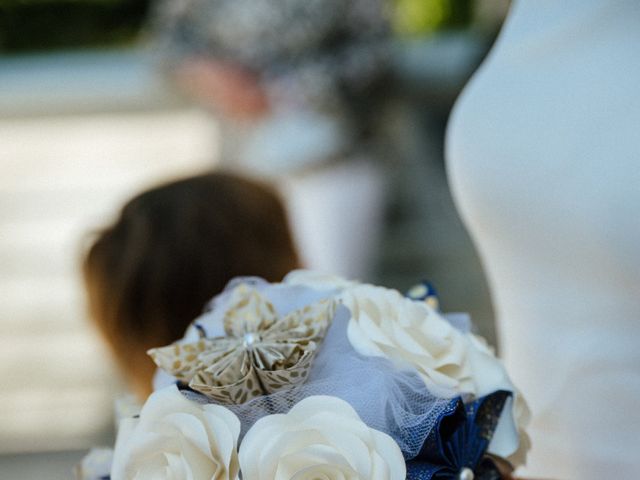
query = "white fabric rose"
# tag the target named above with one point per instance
(321, 437)
(176, 438)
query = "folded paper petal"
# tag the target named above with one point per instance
(277, 379)
(182, 360)
(243, 389)
(249, 312)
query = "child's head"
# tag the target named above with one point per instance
(172, 249)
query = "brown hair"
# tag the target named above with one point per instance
(172, 249)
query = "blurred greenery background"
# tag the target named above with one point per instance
(421, 17)
(37, 25)
(40, 25)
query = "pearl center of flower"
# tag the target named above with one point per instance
(249, 339)
(466, 474)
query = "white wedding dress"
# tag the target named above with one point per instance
(544, 160)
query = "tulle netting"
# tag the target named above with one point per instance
(386, 398)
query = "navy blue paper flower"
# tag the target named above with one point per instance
(459, 441)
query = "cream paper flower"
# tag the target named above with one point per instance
(176, 438)
(321, 437)
(385, 324)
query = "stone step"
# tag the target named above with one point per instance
(60, 179)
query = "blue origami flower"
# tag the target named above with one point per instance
(455, 448)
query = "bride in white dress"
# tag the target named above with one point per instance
(544, 161)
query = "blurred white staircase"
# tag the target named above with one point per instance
(78, 136)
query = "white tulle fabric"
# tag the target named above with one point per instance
(387, 399)
(448, 357)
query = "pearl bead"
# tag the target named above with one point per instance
(250, 338)
(418, 291)
(466, 474)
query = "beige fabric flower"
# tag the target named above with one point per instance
(321, 437)
(261, 353)
(176, 438)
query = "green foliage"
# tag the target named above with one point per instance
(31, 25)
(421, 17)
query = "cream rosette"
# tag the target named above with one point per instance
(176, 438)
(321, 437)
(450, 362)
(410, 333)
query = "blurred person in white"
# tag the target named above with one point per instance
(296, 84)
(544, 160)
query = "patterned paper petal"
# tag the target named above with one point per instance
(276, 356)
(248, 312)
(226, 369)
(274, 380)
(180, 359)
(307, 324)
(244, 389)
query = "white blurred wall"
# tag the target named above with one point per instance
(65, 169)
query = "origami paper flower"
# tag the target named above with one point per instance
(321, 437)
(260, 354)
(456, 446)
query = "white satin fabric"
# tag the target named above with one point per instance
(544, 161)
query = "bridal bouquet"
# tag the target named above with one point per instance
(320, 378)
